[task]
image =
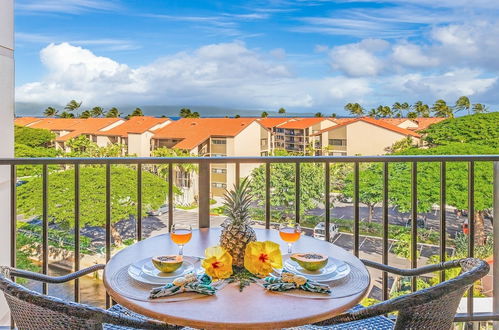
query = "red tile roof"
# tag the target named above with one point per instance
(58, 124)
(135, 125)
(272, 122)
(424, 123)
(25, 121)
(193, 131)
(373, 121)
(301, 123)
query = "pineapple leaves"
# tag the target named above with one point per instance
(237, 202)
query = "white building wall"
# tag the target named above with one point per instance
(6, 133)
(140, 144)
(245, 144)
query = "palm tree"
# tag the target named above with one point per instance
(355, 109)
(185, 113)
(384, 111)
(399, 108)
(86, 114)
(72, 106)
(137, 113)
(318, 114)
(441, 109)
(66, 114)
(421, 109)
(334, 115)
(113, 113)
(50, 112)
(480, 108)
(373, 113)
(195, 114)
(264, 114)
(463, 103)
(237, 116)
(281, 111)
(412, 115)
(97, 112)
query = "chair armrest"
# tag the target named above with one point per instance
(53, 279)
(413, 272)
(360, 314)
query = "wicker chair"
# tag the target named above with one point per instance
(433, 307)
(32, 310)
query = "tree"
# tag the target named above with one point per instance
(86, 114)
(283, 185)
(32, 142)
(66, 114)
(384, 111)
(237, 116)
(92, 201)
(399, 109)
(82, 146)
(264, 114)
(334, 115)
(33, 137)
(421, 109)
(50, 112)
(187, 113)
(73, 106)
(370, 187)
(373, 113)
(463, 103)
(113, 113)
(281, 111)
(137, 113)
(402, 145)
(441, 109)
(318, 114)
(479, 108)
(355, 109)
(97, 112)
(475, 129)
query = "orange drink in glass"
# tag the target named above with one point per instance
(181, 234)
(290, 233)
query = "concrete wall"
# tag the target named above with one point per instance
(140, 144)
(6, 133)
(366, 139)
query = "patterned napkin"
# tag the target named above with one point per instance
(189, 283)
(289, 281)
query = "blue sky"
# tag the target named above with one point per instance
(303, 55)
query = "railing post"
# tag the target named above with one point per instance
(495, 264)
(204, 195)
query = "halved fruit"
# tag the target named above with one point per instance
(167, 264)
(310, 261)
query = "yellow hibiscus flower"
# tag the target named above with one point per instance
(218, 262)
(261, 257)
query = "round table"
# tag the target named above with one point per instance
(229, 308)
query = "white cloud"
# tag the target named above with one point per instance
(278, 53)
(412, 55)
(359, 59)
(227, 74)
(65, 6)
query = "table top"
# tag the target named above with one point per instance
(229, 308)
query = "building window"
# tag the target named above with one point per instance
(218, 141)
(338, 142)
(218, 185)
(219, 170)
(279, 130)
(183, 179)
(339, 153)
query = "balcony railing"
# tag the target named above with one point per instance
(204, 164)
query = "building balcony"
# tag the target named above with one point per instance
(372, 232)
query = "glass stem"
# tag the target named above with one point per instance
(181, 249)
(289, 247)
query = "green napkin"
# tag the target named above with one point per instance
(288, 281)
(200, 284)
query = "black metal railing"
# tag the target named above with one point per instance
(204, 202)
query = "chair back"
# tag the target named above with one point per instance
(435, 307)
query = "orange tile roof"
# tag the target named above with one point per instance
(376, 122)
(302, 123)
(193, 131)
(341, 120)
(396, 121)
(88, 126)
(58, 124)
(137, 125)
(272, 122)
(424, 123)
(25, 121)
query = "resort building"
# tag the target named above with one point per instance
(360, 136)
(135, 134)
(212, 137)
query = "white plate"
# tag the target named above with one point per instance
(334, 270)
(145, 272)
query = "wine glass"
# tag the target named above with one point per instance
(290, 233)
(181, 234)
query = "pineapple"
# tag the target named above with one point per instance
(236, 230)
